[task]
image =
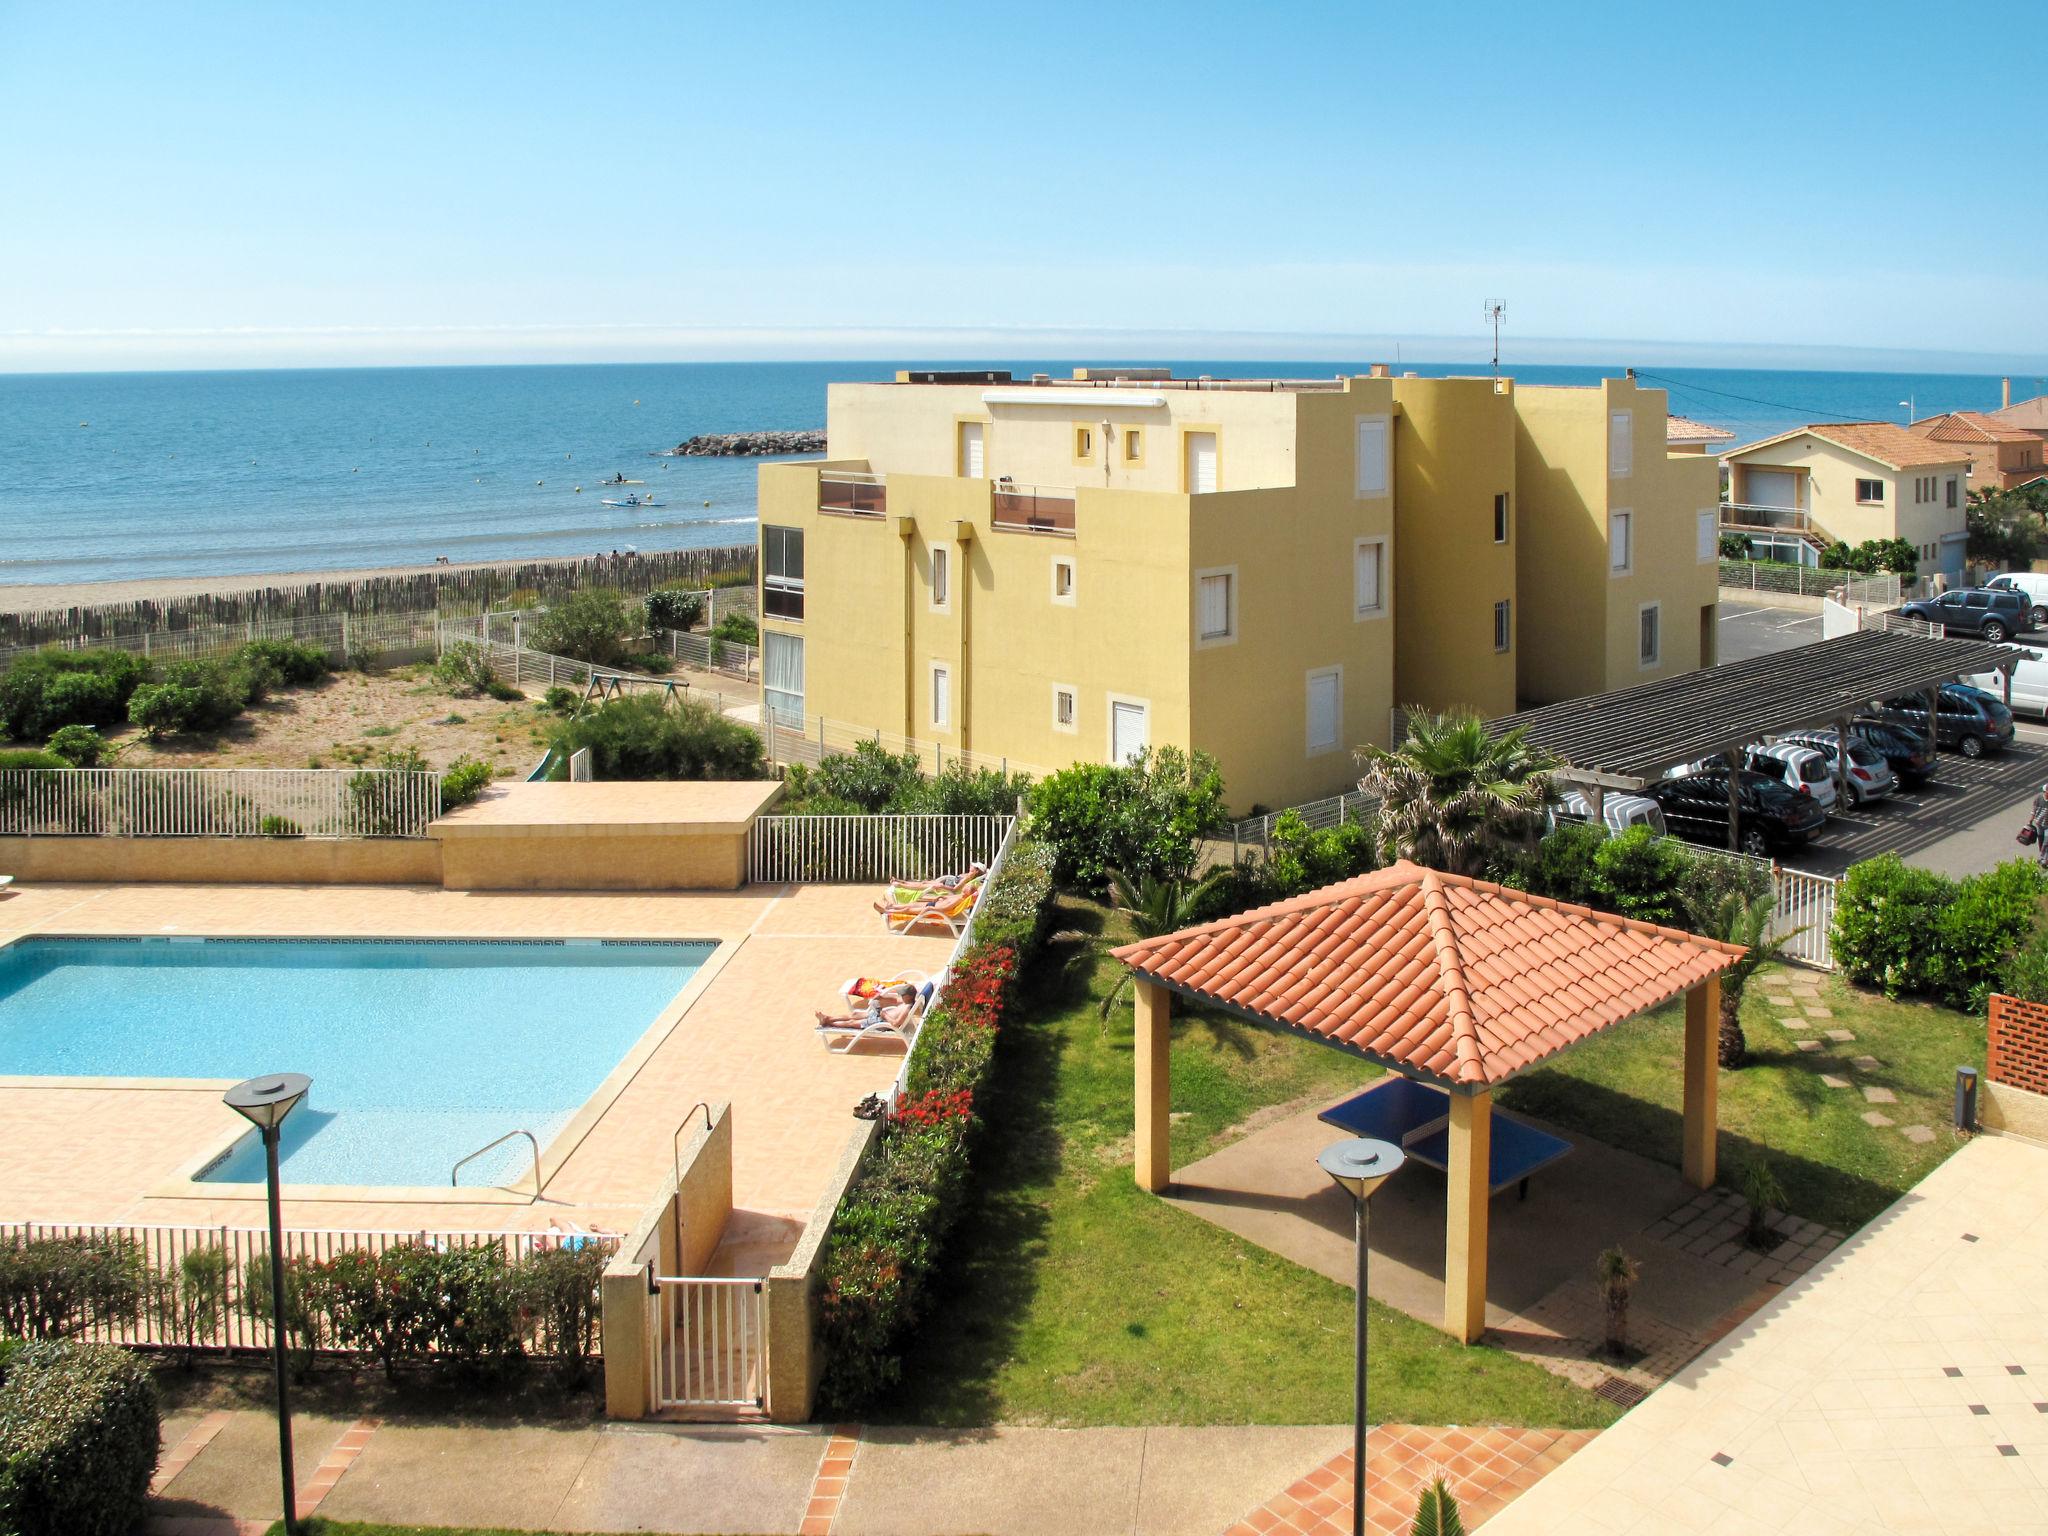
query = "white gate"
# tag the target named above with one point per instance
(708, 1343)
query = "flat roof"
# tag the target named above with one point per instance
(1636, 733)
(611, 807)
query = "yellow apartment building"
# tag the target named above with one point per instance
(1060, 570)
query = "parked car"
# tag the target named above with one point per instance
(1618, 811)
(1992, 616)
(1869, 776)
(1967, 720)
(1772, 818)
(1798, 767)
(2029, 681)
(1905, 749)
(2032, 585)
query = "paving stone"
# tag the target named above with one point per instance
(1919, 1135)
(1880, 1096)
(1813, 992)
(1873, 1118)
(1813, 1011)
(1781, 1002)
(1840, 1036)
(1829, 1080)
(1865, 1063)
(1807, 1045)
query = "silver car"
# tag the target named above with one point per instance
(1870, 776)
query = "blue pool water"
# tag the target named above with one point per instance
(419, 1052)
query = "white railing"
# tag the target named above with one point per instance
(373, 636)
(729, 657)
(849, 850)
(217, 802)
(708, 1342)
(195, 1280)
(1802, 906)
(1257, 831)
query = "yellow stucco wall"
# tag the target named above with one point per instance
(223, 860)
(606, 859)
(1830, 492)
(1454, 452)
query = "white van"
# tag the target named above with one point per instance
(1619, 811)
(2034, 586)
(2029, 679)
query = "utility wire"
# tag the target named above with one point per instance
(1776, 405)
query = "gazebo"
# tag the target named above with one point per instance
(1451, 982)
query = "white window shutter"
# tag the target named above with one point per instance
(1620, 443)
(1710, 537)
(1372, 456)
(1325, 710)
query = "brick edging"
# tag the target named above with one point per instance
(829, 1483)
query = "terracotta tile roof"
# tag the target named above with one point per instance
(1439, 975)
(1883, 442)
(1683, 429)
(1971, 427)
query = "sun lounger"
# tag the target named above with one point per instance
(6, 884)
(951, 915)
(1415, 1117)
(905, 893)
(872, 1027)
(859, 990)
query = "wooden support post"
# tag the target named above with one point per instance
(1152, 1049)
(1842, 762)
(1733, 758)
(1702, 1082)
(1467, 1191)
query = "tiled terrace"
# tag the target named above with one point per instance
(742, 1032)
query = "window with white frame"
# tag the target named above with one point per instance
(1621, 428)
(1215, 606)
(1709, 537)
(1649, 641)
(1325, 709)
(782, 676)
(1621, 532)
(942, 696)
(1369, 578)
(1372, 455)
(942, 577)
(1063, 578)
(782, 572)
(1503, 625)
(1066, 707)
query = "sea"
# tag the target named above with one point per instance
(125, 476)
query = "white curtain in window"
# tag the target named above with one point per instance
(1371, 570)
(782, 662)
(1215, 607)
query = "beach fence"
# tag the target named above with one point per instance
(447, 593)
(217, 802)
(206, 1287)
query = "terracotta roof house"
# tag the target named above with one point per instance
(1684, 435)
(2001, 455)
(1852, 481)
(1451, 982)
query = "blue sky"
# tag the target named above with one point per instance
(220, 185)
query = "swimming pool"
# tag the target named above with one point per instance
(420, 1051)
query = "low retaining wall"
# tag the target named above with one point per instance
(223, 860)
(2014, 1096)
(794, 1360)
(1759, 597)
(596, 859)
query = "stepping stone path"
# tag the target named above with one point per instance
(1880, 1096)
(1807, 1045)
(1839, 1036)
(1872, 1118)
(1819, 1013)
(1812, 992)
(1865, 1063)
(1776, 1001)
(1828, 1079)
(1919, 1135)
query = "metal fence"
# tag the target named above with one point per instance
(197, 1281)
(709, 1344)
(825, 850)
(789, 739)
(728, 657)
(217, 802)
(376, 637)
(1815, 581)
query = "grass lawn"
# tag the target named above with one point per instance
(1078, 1299)
(1625, 1088)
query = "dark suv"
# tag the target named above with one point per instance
(1772, 817)
(1995, 615)
(1966, 720)
(1911, 758)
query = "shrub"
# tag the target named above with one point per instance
(1992, 915)
(1146, 818)
(872, 779)
(1014, 911)
(80, 698)
(197, 696)
(53, 1287)
(589, 625)
(1911, 930)
(674, 608)
(78, 1441)
(30, 757)
(463, 780)
(1636, 873)
(163, 709)
(2024, 973)
(560, 700)
(465, 671)
(741, 578)
(558, 1293)
(380, 802)
(1761, 1195)
(292, 662)
(738, 629)
(80, 745)
(189, 1303)
(642, 736)
(47, 690)
(280, 826)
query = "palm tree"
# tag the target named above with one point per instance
(1451, 795)
(1743, 920)
(1157, 905)
(1437, 1512)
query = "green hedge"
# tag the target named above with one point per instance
(891, 1227)
(1145, 819)
(1635, 873)
(1912, 931)
(78, 1441)
(53, 1287)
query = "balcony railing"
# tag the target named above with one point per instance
(850, 493)
(1028, 509)
(1742, 514)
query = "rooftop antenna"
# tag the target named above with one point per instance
(1495, 311)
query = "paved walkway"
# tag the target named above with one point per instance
(1901, 1386)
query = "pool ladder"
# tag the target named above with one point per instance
(532, 1141)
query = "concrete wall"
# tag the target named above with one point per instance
(604, 859)
(223, 860)
(2012, 1111)
(791, 1300)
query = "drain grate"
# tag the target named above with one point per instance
(1624, 1393)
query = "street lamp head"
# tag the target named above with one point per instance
(1361, 1166)
(265, 1101)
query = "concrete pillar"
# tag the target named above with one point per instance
(1152, 1048)
(1467, 1194)
(628, 1340)
(1702, 1082)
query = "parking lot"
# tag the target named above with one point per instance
(1751, 629)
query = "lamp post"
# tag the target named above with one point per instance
(264, 1102)
(1910, 405)
(1360, 1167)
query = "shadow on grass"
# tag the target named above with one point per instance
(1819, 1191)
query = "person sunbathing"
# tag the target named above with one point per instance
(931, 890)
(932, 896)
(891, 1006)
